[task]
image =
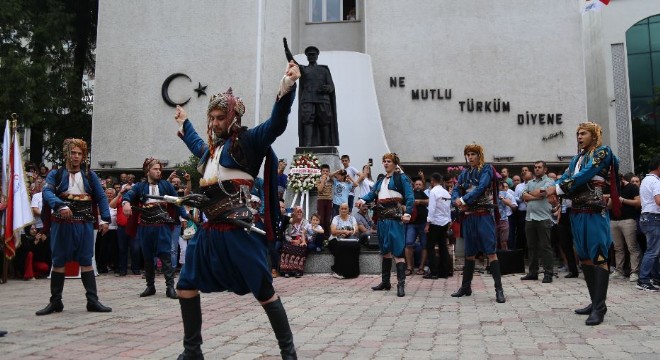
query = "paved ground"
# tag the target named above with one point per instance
(338, 319)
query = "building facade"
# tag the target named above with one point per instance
(420, 78)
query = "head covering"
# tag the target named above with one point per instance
(392, 156)
(234, 107)
(149, 163)
(71, 143)
(475, 148)
(596, 133)
(312, 48)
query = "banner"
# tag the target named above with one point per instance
(594, 5)
(18, 213)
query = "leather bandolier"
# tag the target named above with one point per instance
(227, 201)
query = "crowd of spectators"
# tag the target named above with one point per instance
(340, 229)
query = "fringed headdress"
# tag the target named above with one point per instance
(149, 163)
(475, 148)
(234, 107)
(392, 156)
(68, 146)
(596, 134)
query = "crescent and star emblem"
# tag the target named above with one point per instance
(201, 90)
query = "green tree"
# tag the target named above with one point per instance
(46, 47)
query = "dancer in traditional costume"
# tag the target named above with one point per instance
(74, 194)
(222, 256)
(393, 192)
(590, 171)
(473, 195)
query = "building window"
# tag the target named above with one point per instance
(332, 10)
(643, 47)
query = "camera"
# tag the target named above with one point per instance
(180, 173)
(371, 162)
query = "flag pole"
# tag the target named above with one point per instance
(5, 263)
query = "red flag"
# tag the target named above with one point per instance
(606, 2)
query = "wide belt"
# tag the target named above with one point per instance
(81, 207)
(155, 213)
(589, 198)
(391, 209)
(227, 201)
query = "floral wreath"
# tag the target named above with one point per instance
(304, 173)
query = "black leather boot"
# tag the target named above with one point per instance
(191, 314)
(466, 285)
(56, 287)
(497, 277)
(401, 279)
(280, 323)
(93, 303)
(149, 275)
(598, 309)
(588, 271)
(168, 272)
(386, 270)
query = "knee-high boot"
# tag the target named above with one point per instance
(497, 277)
(56, 287)
(401, 279)
(89, 282)
(466, 286)
(168, 272)
(598, 307)
(149, 275)
(386, 270)
(280, 323)
(588, 271)
(191, 314)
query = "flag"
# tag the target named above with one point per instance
(18, 213)
(594, 5)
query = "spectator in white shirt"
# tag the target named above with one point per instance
(438, 221)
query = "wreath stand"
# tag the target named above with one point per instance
(304, 201)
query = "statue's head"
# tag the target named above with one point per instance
(312, 53)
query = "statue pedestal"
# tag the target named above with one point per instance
(327, 155)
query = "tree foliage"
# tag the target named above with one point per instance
(46, 47)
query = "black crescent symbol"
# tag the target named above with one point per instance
(166, 86)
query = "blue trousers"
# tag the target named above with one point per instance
(391, 238)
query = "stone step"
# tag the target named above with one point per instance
(319, 263)
(370, 260)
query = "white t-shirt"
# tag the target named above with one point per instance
(365, 186)
(649, 189)
(350, 224)
(37, 202)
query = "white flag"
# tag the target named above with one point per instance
(22, 211)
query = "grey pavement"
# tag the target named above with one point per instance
(337, 319)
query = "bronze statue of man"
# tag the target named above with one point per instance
(317, 110)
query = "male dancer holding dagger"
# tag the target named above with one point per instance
(223, 256)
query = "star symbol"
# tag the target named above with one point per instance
(201, 90)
